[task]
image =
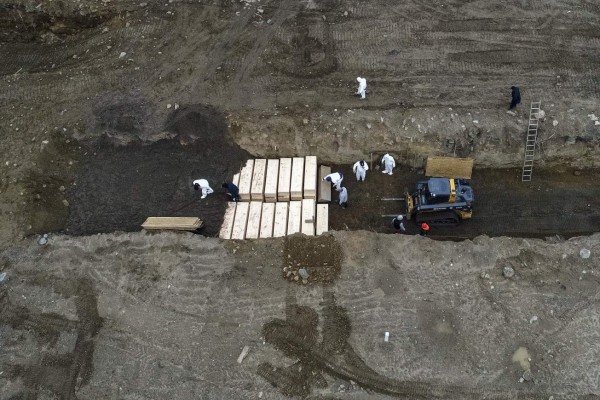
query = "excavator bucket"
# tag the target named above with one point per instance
(449, 167)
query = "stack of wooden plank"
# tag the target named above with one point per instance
(192, 224)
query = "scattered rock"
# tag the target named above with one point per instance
(43, 240)
(585, 253)
(345, 13)
(533, 319)
(541, 114)
(554, 122)
(2, 276)
(577, 172)
(369, 126)
(485, 275)
(593, 117)
(123, 54)
(176, 106)
(570, 140)
(243, 354)
(508, 272)
(169, 105)
(475, 121)
(62, 188)
(305, 121)
(527, 375)
(65, 203)
(303, 273)
(511, 113)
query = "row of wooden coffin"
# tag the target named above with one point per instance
(255, 219)
(274, 180)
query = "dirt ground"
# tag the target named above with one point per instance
(135, 315)
(556, 202)
(109, 109)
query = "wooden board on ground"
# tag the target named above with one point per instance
(246, 180)
(173, 223)
(257, 188)
(308, 217)
(322, 218)
(240, 221)
(310, 177)
(253, 226)
(324, 186)
(297, 178)
(294, 217)
(271, 180)
(267, 220)
(227, 226)
(281, 218)
(449, 167)
(284, 180)
(236, 179)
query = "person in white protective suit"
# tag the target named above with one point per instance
(336, 179)
(360, 168)
(388, 163)
(344, 197)
(362, 87)
(202, 184)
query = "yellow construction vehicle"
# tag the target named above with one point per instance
(446, 197)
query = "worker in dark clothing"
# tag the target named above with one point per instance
(516, 97)
(424, 229)
(232, 191)
(398, 223)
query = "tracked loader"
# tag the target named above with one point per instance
(446, 197)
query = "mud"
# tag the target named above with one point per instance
(556, 202)
(118, 187)
(320, 257)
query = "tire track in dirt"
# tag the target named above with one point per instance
(296, 337)
(62, 374)
(285, 9)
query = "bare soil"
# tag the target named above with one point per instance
(108, 111)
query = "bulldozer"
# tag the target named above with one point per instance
(445, 197)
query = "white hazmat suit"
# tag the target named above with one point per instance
(203, 184)
(336, 179)
(343, 197)
(388, 164)
(360, 168)
(362, 87)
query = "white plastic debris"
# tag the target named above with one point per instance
(123, 54)
(386, 337)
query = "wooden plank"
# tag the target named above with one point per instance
(246, 180)
(297, 178)
(308, 217)
(267, 220)
(285, 179)
(294, 217)
(310, 177)
(253, 225)
(240, 221)
(227, 226)
(258, 180)
(449, 167)
(324, 186)
(236, 179)
(172, 223)
(322, 218)
(281, 218)
(271, 180)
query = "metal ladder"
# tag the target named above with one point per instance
(530, 142)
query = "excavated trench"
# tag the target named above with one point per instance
(117, 187)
